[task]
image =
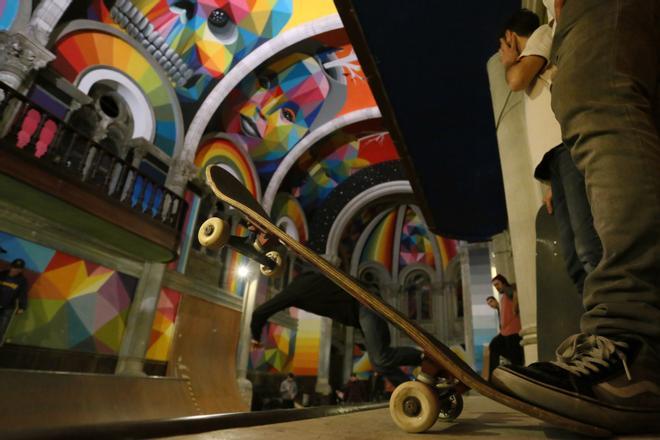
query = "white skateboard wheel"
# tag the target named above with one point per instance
(414, 407)
(214, 233)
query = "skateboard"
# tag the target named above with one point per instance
(415, 406)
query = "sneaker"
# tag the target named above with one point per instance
(613, 384)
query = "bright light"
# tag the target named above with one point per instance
(243, 271)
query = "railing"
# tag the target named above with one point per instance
(37, 134)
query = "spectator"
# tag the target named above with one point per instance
(607, 101)
(507, 342)
(13, 290)
(525, 53)
(288, 391)
(355, 391)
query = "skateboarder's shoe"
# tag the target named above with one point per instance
(610, 383)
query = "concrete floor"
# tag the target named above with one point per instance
(481, 418)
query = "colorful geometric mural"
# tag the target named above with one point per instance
(162, 332)
(326, 174)
(232, 282)
(286, 208)
(223, 150)
(198, 42)
(275, 107)
(361, 364)
(448, 249)
(80, 54)
(276, 355)
(72, 303)
(416, 244)
(380, 244)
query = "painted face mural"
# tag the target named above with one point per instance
(197, 41)
(280, 104)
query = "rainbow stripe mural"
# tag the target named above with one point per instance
(379, 246)
(286, 206)
(448, 249)
(361, 364)
(80, 52)
(162, 332)
(233, 283)
(8, 13)
(306, 357)
(73, 304)
(224, 151)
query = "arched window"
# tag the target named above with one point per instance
(417, 296)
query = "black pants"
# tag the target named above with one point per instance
(508, 347)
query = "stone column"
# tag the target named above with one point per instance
(180, 173)
(244, 342)
(325, 344)
(44, 19)
(137, 334)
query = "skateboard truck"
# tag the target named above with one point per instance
(215, 234)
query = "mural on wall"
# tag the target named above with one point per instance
(92, 58)
(324, 174)
(276, 355)
(73, 304)
(416, 239)
(308, 341)
(380, 244)
(277, 105)
(162, 332)
(9, 10)
(198, 42)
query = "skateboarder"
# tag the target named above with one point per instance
(605, 96)
(315, 293)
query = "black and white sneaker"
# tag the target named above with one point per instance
(614, 384)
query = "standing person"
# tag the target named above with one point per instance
(606, 97)
(288, 390)
(507, 342)
(525, 54)
(354, 391)
(315, 293)
(13, 289)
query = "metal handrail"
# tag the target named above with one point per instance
(39, 135)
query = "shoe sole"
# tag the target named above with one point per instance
(618, 419)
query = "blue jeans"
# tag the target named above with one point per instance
(606, 97)
(578, 240)
(384, 358)
(5, 318)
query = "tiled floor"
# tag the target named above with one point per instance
(481, 419)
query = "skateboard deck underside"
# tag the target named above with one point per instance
(231, 191)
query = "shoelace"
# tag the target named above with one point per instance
(584, 354)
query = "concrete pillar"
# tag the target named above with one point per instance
(480, 320)
(325, 344)
(348, 354)
(523, 196)
(180, 173)
(244, 342)
(137, 334)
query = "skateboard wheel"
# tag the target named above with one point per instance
(451, 406)
(277, 258)
(414, 407)
(214, 233)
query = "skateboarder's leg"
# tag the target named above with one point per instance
(606, 99)
(377, 337)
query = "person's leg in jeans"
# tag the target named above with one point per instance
(605, 96)
(496, 348)
(514, 351)
(572, 262)
(386, 359)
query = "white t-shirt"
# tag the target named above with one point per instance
(543, 130)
